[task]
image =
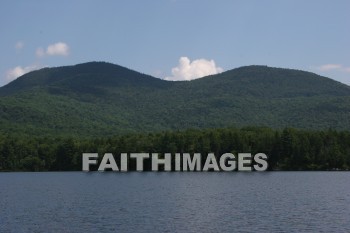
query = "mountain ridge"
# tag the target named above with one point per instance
(48, 76)
(99, 98)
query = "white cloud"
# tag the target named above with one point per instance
(187, 70)
(19, 45)
(57, 49)
(18, 71)
(60, 49)
(328, 67)
(333, 67)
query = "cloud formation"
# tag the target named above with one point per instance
(187, 70)
(18, 71)
(335, 67)
(57, 49)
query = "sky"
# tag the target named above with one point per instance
(176, 39)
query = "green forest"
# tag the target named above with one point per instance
(99, 99)
(287, 149)
(49, 117)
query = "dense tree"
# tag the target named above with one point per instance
(288, 149)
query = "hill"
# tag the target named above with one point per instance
(100, 99)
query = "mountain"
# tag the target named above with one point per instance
(101, 99)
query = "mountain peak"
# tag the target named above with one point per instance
(91, 74)
(264, 81)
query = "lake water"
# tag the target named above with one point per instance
(175, 202)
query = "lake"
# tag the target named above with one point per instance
(175, 202)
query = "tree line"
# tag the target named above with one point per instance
(287, 149)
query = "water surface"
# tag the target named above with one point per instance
(175, 202)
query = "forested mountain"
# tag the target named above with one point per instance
(102, 99)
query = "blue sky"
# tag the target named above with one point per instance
(176, 39)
